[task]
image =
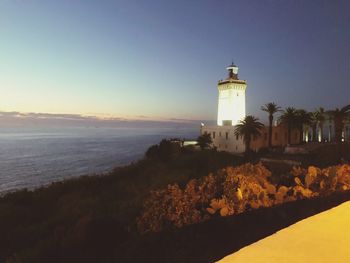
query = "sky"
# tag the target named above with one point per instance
(161, 59)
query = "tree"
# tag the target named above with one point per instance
(271, 108)
(302, 118)
(164, 150)
(320, 118)
(313, 124)
(330, 121)
(247, 128)
(289, 118)
(204, 141)
(339, 117)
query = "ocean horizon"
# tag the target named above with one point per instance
(34, 157)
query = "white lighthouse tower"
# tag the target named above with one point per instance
(231, 110)
(231, 104)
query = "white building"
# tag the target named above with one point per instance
(231, 110)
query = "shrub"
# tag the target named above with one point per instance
(171, 206)
(204, 141)
(235, 190)
(263, 150)
(153, 151)
(164, 150)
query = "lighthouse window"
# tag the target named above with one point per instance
(213, 135)
(226, 135)
(237, 137)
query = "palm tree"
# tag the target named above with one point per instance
(247, 128)
(313, 124)
(289, 118)
(271, 108)
(339, 116)
(346, 123)
(330, 121)
(302, 118)
(320, 118)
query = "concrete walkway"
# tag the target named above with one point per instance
(324, 237)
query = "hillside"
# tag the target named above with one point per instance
(93, 218)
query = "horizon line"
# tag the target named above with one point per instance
(94, 117)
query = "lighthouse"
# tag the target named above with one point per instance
(231, 110)
(231, 99)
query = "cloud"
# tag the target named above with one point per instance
(20, 119)
(10, 114)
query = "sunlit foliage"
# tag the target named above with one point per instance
(235, 190)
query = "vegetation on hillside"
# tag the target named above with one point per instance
(80, 220)
(235, 190)
(93, 218)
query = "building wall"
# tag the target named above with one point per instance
(224, 139)
(279, 137)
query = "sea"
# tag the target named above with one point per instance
(33, 157)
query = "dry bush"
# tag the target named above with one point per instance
(171, 206)
(235, 190)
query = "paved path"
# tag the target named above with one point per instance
(324, 237)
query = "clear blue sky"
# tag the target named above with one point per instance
(162, 59)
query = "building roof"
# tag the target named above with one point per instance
(232, 65)
(231, 81)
